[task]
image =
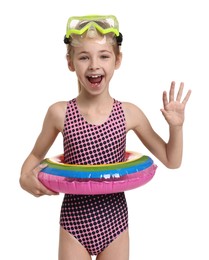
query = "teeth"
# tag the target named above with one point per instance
(95, 76)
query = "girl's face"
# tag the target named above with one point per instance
(94, 63)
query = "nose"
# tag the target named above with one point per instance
(94, 64)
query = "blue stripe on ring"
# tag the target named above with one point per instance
(114, 173)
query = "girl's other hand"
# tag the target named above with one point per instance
(173, 110)
(30, 183)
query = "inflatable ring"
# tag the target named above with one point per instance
(134, 172)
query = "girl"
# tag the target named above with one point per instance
(94, 127)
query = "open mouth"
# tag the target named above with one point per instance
(95, 79)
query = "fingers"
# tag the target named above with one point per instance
(41, 190)
(171, 92)
(186, 97)
(44, 191)
(38, 169)
(178, 96)
(180, 92)
(165, 99)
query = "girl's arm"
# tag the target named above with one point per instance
(52, 125)
(170, 153)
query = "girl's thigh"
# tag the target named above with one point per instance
(118, 249)
(70, 248)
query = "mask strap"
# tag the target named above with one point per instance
(119, 39)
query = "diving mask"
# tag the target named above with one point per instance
(91, 25)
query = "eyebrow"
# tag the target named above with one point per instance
(86, 52)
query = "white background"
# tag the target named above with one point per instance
(163, 41)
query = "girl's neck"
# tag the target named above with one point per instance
(95, 110)
(102, 100)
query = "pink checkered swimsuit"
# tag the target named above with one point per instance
(94, 220)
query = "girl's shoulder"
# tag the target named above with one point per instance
(133, 114)
(56, 114)
(58, 107)
(130, 108)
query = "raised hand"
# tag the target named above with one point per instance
(173, 109)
